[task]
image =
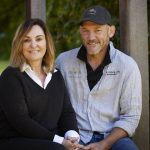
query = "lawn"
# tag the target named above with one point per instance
(3, 65)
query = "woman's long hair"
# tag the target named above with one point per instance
(16, 57)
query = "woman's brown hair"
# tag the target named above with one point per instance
(17, 59)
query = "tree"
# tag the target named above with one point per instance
(12, 14)
(63, 17)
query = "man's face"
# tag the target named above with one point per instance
(96, 37)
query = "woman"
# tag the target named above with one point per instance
(35, 110)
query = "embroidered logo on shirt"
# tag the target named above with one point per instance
(112, 72)
(74, 73)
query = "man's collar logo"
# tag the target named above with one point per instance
(92, 11)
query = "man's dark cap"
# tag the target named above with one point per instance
(97, 14)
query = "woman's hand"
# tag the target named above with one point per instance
(71, 144)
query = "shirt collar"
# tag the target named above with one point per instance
(26, 67)
(82, 55)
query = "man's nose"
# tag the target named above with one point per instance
(91, 35)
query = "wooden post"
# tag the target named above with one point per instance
(36, 9)
(134, 42)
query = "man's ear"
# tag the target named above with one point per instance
(112, 31)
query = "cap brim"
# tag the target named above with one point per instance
(92, 20)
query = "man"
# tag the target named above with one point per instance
(104, 85)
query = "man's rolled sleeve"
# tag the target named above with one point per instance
(130, 102)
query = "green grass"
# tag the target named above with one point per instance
(3, 65)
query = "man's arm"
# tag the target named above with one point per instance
(115, 135)
(106, 144)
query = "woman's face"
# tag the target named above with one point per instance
(34, 45)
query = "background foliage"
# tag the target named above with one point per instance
(12, 14)
(62, 19)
